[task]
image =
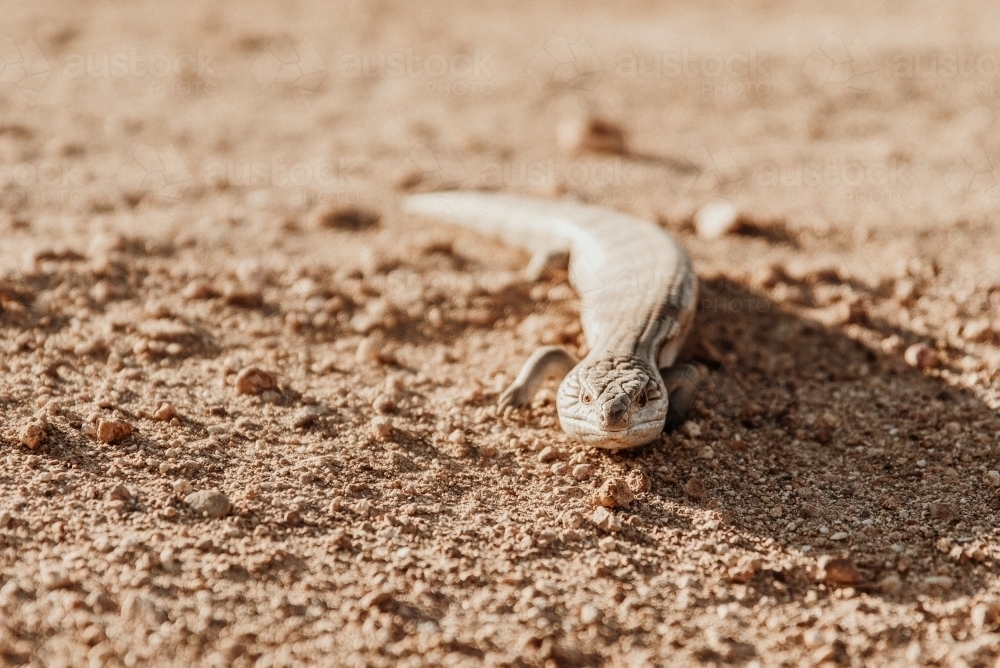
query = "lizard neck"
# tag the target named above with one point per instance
(624, 343)
(619, 350)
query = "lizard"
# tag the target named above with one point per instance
(637, 301)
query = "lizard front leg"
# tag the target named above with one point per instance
(545, 260)
(546, 362)
(683, 382)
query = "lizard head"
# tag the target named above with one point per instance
(613, 402)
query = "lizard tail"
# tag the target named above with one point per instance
(538, 225)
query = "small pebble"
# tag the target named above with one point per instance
(983, 614)
(371, 350)
(135, 608)
(841, 571)
(745, 570)
(606, 520)
(384, 404)
(242, 298)
(165, 413)
(691, 429)
(363, 508)
(695, 488)
(890, 585)
(944, 511)
(307, 416)
(921, 356)
(582, 471)
(614, 493)
(978, 330)
(716, 219)
(118, 493)
(824, 654)
(590, 614)
(112, 431)
(254, 381)
(381, 428)
(560, 468)
(575, 134)
(55, 578)
(352, 219)
(198, 289)
(209, 502)
(92, 635)
(32, 435)
(638, 481)
(547, 454)
(812, 638)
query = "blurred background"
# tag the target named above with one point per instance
(845, 115)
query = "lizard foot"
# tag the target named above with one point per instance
(546, 362)
(684, 382)
(517, 396)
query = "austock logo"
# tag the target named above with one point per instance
(455, 73)
(710, 170)
(560, 62)
(23, 64)
(157, 171)
(724, 74)
(294, 63)
(436, 169)
(840, 62)
(973, 173)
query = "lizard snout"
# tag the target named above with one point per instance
(613, 415)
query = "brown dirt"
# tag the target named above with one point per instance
(199, 208)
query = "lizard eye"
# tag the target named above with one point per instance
(586, 398)
(641, 399)
(652, 392)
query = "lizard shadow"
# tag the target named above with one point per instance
(810, 435)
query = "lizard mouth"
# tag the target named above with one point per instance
(634, 435)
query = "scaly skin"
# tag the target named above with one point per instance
(637, 294)
(613, 402)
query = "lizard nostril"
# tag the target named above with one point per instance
(613, 416)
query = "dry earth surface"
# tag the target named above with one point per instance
(247, 407)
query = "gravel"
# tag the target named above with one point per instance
(169, 242)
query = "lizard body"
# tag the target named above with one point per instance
(637, 293)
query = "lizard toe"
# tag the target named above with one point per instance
(515, 396)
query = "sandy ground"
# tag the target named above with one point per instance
(247, 407)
